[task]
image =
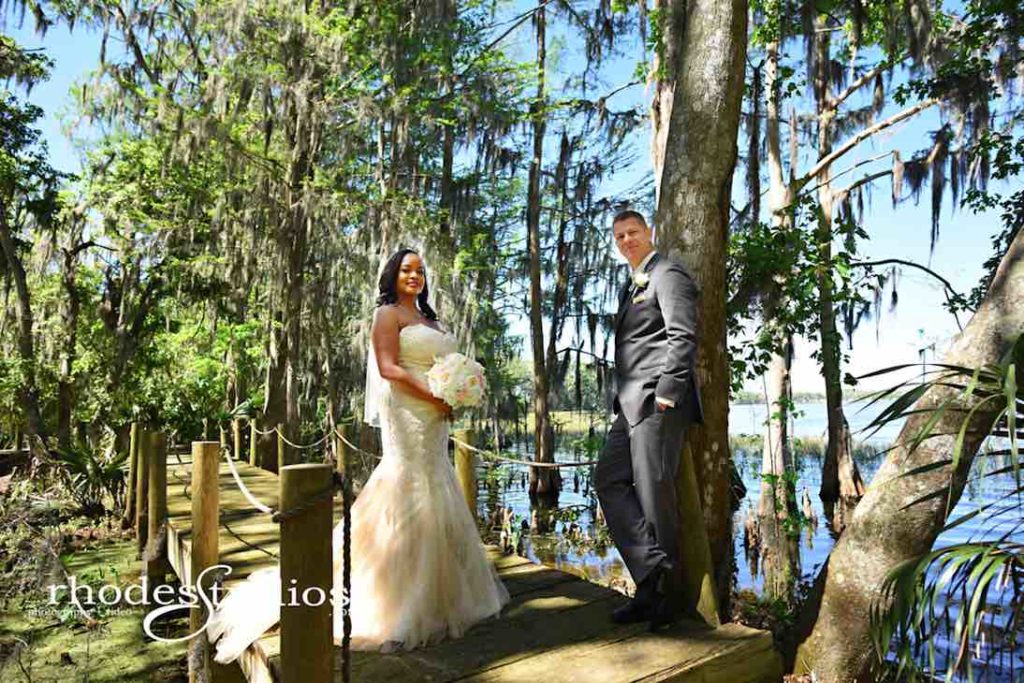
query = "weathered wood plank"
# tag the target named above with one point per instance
(729, 654)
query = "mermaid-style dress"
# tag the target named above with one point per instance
(419, 570)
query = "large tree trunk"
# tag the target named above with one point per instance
(543, 480)
(889, 527)
(705, 47)
(302, 135)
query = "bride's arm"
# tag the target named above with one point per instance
(384, 336)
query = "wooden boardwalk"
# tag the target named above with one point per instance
(556, 627)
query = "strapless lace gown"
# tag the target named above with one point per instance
(419, 570)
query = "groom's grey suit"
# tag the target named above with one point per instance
(655, 355)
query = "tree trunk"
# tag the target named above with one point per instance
(274, 397)
(543, 480)
(839, 474)
(780, 554)
(889, 526)
(561, 292)
(28, 391)
(778, 496)
(291, 236)
(705, 48)
(69, 317)
(840, 477)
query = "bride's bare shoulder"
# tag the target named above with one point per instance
(387, 316)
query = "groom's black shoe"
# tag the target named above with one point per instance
(649, 593)
(631, 613)
(662, 614)
(661, 610)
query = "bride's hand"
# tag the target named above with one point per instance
(444, 408)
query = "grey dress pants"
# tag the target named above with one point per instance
(635, 482)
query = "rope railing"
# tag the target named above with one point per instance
(301, 446)
(321, 440)
(489, 454)
(337, 484)
(260, 431)
(496, 455)
(354, 447)
(242, 487)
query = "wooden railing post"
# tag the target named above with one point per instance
(465, 468)
(133, 464)
(307, 649)
(254, 457)
(142, 489)
(282, 454)
(236, 439)
(156, 564)
(205, 532)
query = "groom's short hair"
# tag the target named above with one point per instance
(629, 214)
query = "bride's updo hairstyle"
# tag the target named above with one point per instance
(388, 285)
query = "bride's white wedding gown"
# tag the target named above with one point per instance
(419, 570)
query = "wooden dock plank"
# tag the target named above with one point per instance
(556, 627)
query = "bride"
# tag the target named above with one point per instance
(419, 571)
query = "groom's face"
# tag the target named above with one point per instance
(633, 238)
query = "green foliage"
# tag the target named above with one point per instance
(982, 581)
(92, 476)
(779, 258)
(992, 386)
(915, 606)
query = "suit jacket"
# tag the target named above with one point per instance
(656, 344)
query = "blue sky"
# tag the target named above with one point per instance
(919, 319)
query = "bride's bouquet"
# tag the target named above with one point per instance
(458, 380)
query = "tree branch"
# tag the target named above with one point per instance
(863, 181)
(860, 137)
(945, 283)
(851, 169)
(861, 82)
(516, 22)
(596, 358)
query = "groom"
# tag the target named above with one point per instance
(657, 397)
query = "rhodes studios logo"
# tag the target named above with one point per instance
(169, 600)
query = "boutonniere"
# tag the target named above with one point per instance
(641, 280)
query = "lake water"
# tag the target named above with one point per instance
(579, 546)
(811, 421)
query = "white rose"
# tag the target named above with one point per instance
(641, 280)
